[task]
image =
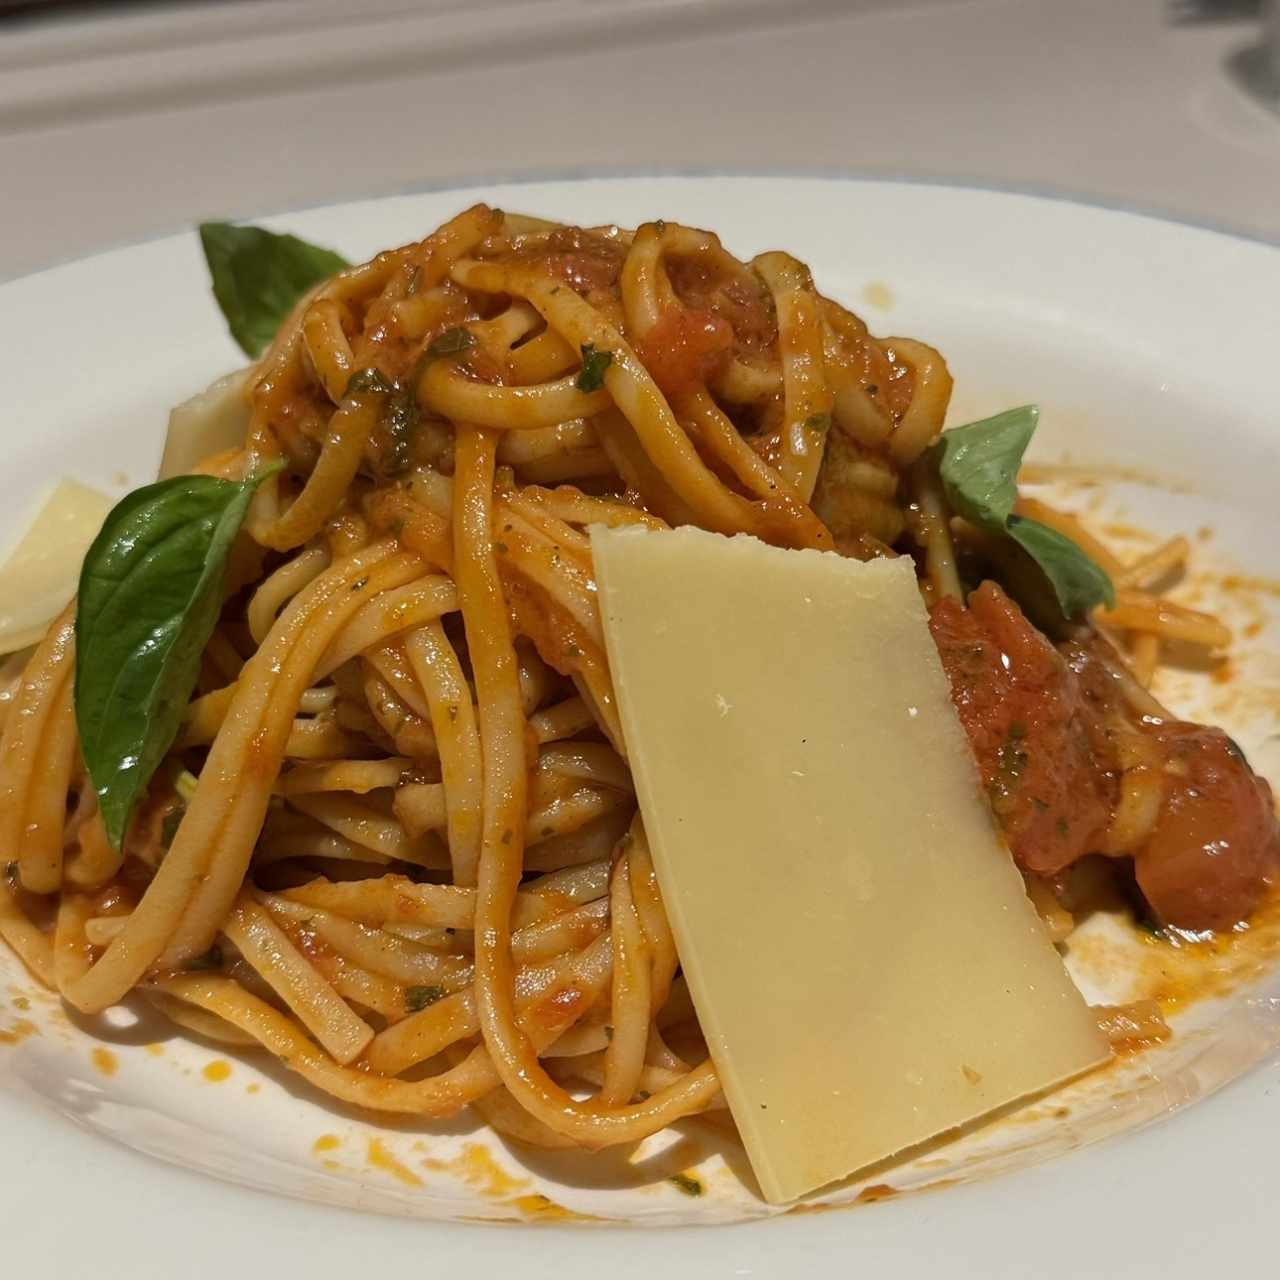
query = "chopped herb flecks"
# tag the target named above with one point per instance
(1013, 759)
(418, 998)
(451, 342)
(594, 363)
(369, 382)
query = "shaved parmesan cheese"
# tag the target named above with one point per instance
(42, 572)
(863, 958)
(209, 423)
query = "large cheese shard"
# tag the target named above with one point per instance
(864, 961)
(42, 572)
(211, 422)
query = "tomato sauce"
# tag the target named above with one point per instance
(1043, 724)
(589, 264)
(1215, 847)
(686, 348)
(741, 301)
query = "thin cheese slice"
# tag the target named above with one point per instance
(215, 420)
(43, 571)
(861, 952)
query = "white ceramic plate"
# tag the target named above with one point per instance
(1149, 346)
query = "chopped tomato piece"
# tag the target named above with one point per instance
(1215, 847)
(1042, 727)
(1020, 706)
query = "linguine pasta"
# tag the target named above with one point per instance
(396, 843)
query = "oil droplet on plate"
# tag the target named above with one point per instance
(480, 1170)
(20, 1030)
(217, 1071)
(380, 1158)
(105, 1062)
(878, 294)
(540, 1208)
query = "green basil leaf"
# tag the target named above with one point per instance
(978, 465)
(258, 276)
(150, 594)
(1076, 579)
(594, 363)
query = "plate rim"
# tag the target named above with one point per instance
(571, 175)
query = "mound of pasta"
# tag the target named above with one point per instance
(326, 758)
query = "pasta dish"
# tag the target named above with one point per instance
(326, 758)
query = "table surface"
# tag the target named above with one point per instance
(124, 122)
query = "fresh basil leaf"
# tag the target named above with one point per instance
(978, 465)
(258, 276)
(150, 594)
(1077, 580)
(594, 363)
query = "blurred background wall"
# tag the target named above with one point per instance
(119, 121)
